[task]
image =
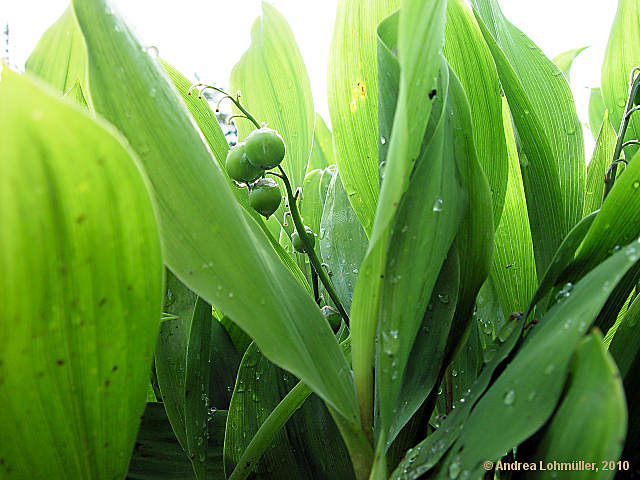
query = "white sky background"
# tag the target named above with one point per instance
(208, 36)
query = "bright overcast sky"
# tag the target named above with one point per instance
(208, 37)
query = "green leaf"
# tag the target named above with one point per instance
(617, 222)
(602, 157)
(513, 271)
(342, 240)
(352, 89)
(201, 113)
(201, 221)
(536, 375)
(295, 450)
(420, 25)
(82, 289)
(158, 456)
(624, 346)
(591, 420)
(565, 59)
(596, 111)
(77, 95)
(427, 354)
(551, 99)
(470, 58)
(60, 57)
(621, 56)
(550, 135)
(427, 453)
(275, 88)
(322, 150)
(562, 258)
(311, 205)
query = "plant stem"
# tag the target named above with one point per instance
(610, 177)
(316, 289)
(308, 247)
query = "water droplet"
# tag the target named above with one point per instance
(383, 140)
(437, 205)
(455, 468)
(636, 184)
(509, 397)
(454, 373)
(564, 292)
(405, 229)
(117, 28)
(443, 298)
(230, 294)
(531, 396)
(550, 368)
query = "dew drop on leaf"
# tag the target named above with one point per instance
(509, 397)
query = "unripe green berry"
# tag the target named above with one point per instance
(265, 196)
(298, 245)
(265, 148)
(238, 166)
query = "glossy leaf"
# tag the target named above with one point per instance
(352, 90)
(60, 57)
(200, 220)
(621, 56)
(552, 100)
(427, 453)
(542, 172)
(342, 241)
(602, 157)
(596, 111)
(82, 291)
(158, 456)
(294, 450)
(513, 271)
(624, 346)
(565, 59)
(426, 21)
(275, 88)
(536, 374)
(469, 56)
(322, 150)
(591, 420)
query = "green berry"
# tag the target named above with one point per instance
(298, 245)
(238, 166)
(333, 317)
(265, 148)
(265, 196)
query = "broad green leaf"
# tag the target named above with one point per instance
(513, 272)
(427, 354)
(342, 241)
(201, 112)
(564, 60)
(609, 313)
(275, 88)
(420, 39)
(201, 221)
(624, 346)
(322, 150)
(81, 289)
(617, 223)
(591, 421)
(311, 204)
(158, 456)
(470, 58)
(60, 57)
(596, 111)
(427, 453)
(621, 314)
(295, 450)
(475, 237)
(602, 157)
(352, 90)
(551, 99)
(539, 176)
(562, 258)
(536, 375)
(621, 56)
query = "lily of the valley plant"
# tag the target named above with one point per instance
(435, 288)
